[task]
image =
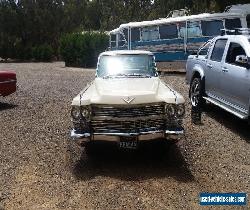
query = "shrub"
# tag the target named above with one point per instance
(82, 49)
(15, 49)
(42, 53)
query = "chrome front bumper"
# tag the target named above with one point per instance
(81, 138)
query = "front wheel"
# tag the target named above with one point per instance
(196, 93)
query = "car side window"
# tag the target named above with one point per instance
(234, 50)
(218, 50)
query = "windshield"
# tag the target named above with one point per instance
(126, 66)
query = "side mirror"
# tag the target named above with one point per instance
(241, 59)
(96, 72)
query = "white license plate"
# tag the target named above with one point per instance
(128, 142)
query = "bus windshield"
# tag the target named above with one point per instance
(126, 66)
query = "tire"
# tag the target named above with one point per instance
(197, 93)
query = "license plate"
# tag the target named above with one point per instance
(128, 142)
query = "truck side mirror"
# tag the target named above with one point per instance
(243, 60)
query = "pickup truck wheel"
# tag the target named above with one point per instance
(196, 93)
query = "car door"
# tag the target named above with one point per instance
(235, 82)
(213, 69)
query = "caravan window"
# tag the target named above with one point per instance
(232, 23)
(211, 28)
(125, 32)
(248, 21)
(150, 33)
(122, 40)
(168, 31)
(135, 34)
(113, 40)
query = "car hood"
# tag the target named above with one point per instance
(127, 91)
(127, 86)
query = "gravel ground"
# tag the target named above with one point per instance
(36, 171)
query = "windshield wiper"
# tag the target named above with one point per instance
(114, 75)
(139, 75)
(127, 75)
(107, 76)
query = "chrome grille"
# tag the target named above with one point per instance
(123, 119)
(128, 111)
(134, 126)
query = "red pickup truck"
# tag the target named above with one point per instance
(7, 82)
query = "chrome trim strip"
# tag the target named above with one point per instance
(74, 135)
(223, 101)
(127, 105)
(221, 105)
(142, 136)
(180, 132)
(8, 81)
(129, 134)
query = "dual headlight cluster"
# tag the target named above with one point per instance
(175, 110)
(82, 112)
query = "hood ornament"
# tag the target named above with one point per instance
(128, 99)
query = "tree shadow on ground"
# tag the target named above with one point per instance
(150, 160)
(233, 123)
(6, 106)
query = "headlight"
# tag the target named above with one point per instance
(180, 110)
(76, 112)
(170, 110)
(85, 111)
(175, 110)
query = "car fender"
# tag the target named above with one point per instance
(198, 70)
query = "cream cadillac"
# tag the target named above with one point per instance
(127, 103)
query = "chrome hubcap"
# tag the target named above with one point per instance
(195, 93)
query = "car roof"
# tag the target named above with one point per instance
(126, 52)
(234, 37)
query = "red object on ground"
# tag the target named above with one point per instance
(7, 83)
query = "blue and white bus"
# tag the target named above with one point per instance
(176, 37)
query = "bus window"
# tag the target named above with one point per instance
(168, 31)
(150, 33)
(248, 21)
(135, 34)
(193, 29)
(211, 28)
(232, 23)
(182, 29)
(113, 40)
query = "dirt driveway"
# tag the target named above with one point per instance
(37, 173)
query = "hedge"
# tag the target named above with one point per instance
(82, 49)
(42, 53)
(15, 49)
